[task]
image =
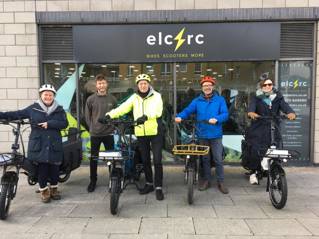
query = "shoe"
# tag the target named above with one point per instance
(253, 179)
(45, 194)
(159, 194)
(91, 186)
(54, 193)
(222, 188)
(203, 185)
(147, 189)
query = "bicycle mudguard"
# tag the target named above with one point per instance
(9, 177)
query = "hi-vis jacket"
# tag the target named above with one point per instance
(151, 106)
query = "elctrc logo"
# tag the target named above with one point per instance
(294, 84)
(161, 39)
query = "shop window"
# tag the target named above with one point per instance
(166, 69)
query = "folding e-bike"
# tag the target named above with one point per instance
(190, 151)
(123, 163)
(11, 163)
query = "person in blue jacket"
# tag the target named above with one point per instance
(47, 118)
(210, 107)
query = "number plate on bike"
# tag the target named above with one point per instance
(110, 155)
(278, 153)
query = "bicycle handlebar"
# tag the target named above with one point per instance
(17, 121)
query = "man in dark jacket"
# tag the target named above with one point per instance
(96, 106)
(267, 101)
(47, 118)
(210, 107)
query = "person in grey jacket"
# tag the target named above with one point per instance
(96, 106)
(45, 149)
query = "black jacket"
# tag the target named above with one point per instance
(45, 145)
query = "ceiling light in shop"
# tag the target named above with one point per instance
(120, 75)
(70, 73)
(230, 69)
(56, 73)
(177, 65)
(92, 76)
(220, 75)
(71, 69)
(57, 63)
(148, 66)
(56, 76)
(113, 71)
(131, 66)
(135, 70)
(57, 68)
(104, 66)
(209, 69)
(83, 72)
(214, 72)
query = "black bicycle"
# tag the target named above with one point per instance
(124, 163)
(272, 160)
(11, 163)
(190, 152)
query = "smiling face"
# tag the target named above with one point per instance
(267, 86)
(101, 86)
(143, 86)
(207, 88)
(47, 97)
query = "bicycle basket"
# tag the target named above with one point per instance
(190, 149)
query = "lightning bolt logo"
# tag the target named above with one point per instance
(295, 84)
(179, 39)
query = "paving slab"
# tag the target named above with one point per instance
(221, 226)
(113, 225)
(252, 211)
(167, 225)
(311, 224)
(201, 211)
(277, 227)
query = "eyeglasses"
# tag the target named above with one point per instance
(269, 84)
(207, 86)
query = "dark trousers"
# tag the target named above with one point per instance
(48, 173)
(96, 141)
(145, 144)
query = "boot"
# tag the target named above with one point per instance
(222, 188)
(147, 189)
(45, 194)
(91, 186)
(159, 194)
(203, 185)
(54, 193)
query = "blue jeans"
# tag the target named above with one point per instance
(216, 151)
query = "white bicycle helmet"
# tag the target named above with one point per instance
(48, 87)
(142, 77)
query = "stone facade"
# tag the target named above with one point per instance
(19, 69)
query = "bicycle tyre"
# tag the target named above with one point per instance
(64, 177)
(190, 185)
(115, 195)
(278, 188)
(5, 200)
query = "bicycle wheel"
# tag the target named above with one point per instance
(278, 189)
(5, 199)
(115, 195)
(190, 185)
(63, 177)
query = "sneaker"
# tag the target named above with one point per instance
(221, 187)
(91, 186)
(203, 185)
(159, 194)
(253, 179)
(147, 189)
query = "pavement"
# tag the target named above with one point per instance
(246, 212)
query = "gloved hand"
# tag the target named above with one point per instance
(291, 116)
(253, 115)
(141, 120)
(104, 120)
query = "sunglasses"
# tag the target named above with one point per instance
(269, 84)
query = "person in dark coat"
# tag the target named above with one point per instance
(267, 101)
(47, 118)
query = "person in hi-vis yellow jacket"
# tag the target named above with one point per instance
(147, 106)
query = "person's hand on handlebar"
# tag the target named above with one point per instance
(141, 120)
(212, 121)
(253, 115)
(291, 116)
(104, 119)
(178, 119)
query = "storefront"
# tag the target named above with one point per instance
(177, 55)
